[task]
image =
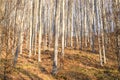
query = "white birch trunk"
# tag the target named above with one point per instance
(55, 61)
(63, 29)
(40, 31)
(30, 44)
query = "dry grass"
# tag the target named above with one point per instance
(78, 65)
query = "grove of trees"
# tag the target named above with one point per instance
(35, 25)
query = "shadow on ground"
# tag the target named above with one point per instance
(30, 75)
(72, 75)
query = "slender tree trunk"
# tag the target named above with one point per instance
(72, 14)
(36, 2)
(99, 33)
(81, 25)
(55, 61)
(85, 23)
(31, 24)
(103, 33)
(63, 27)
(40, 30)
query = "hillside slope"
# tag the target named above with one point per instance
(77, 65)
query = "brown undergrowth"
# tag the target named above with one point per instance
(77, 65)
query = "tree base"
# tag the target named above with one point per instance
(54, 71)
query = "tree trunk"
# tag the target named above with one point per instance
(31, 24)
(63, 27)
(55, 61)
(40, 30)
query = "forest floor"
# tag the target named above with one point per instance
(77, 65)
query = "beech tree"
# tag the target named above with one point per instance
(55, 61)
(40, 29)
(63, 28)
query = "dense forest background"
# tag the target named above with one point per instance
(59, 39)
